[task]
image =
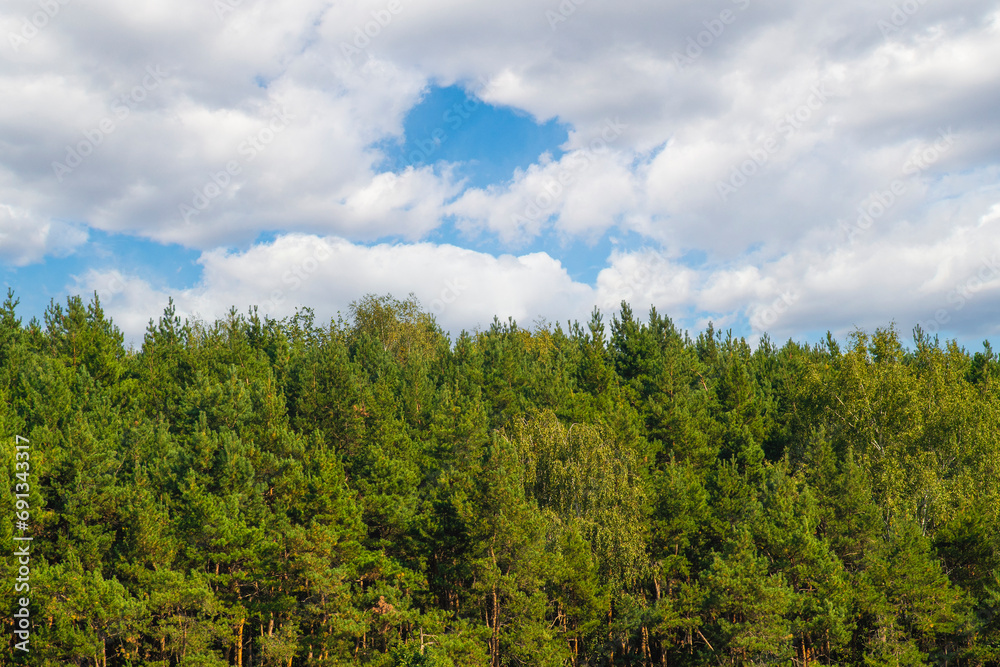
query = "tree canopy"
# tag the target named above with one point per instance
(367, 491)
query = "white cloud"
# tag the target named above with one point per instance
(938, 283)
(802, 110)
(228, 72)
(462, 288)
(582, 194)
(25, 238)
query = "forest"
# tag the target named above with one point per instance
(370, 491)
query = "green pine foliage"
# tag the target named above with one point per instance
(367, 491)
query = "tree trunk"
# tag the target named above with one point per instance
(611, 636)
(239, 642)
(495, 639)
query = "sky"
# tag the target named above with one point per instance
(770, 166)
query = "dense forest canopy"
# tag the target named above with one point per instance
(366, 491)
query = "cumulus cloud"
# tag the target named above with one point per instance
(24, 238)
(947, 284)
(582, 194)
(464, 289)
(768, 138)
(943, 285)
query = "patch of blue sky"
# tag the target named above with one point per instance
(164, 266)
(267, 237)
(485, 142)
(693, 259)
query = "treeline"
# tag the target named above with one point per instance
(366, 491)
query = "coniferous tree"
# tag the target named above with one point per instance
(254, 492)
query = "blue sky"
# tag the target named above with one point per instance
(487, 143)
(783, 167)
